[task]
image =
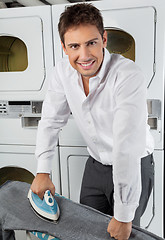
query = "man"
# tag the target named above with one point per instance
(106, 94)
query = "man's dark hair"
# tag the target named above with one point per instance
(82, 13)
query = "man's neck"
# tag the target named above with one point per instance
(86, 85)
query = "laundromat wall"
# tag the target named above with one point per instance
(30, 47)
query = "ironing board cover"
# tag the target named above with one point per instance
(76, 222)
(43, 236)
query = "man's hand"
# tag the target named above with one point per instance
(119, 230)
(41, 183)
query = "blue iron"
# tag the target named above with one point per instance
(47, 208)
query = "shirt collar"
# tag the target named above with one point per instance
(101, 74)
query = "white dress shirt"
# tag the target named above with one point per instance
(112, 119)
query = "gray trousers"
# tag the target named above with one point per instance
(97, 186)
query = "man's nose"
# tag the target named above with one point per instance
(84, 53)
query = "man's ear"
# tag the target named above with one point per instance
(63, 46)
(105, 38)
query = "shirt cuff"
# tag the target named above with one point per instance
(124, 213)
(44, 166)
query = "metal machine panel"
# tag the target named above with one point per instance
(76, 165)
(33, 39)
(70, 135)
(19, 121)
(26, 54)
(22, 157)
(72, 162)
(26, 57)
(132, 21)
(16, 156)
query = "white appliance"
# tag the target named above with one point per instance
(26, 56)
(140, 27)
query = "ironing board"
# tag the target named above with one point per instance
(76, 222)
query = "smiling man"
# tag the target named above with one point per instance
(85, 53)
(106, 94)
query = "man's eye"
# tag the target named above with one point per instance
(74, 46)
(92, 43)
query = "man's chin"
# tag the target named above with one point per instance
(88, 74)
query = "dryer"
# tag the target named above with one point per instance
(26, 56)
(25, 52)
(135, 30)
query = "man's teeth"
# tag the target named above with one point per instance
(86, 64)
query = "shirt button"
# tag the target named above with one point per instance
(101, 149)
(94, 139)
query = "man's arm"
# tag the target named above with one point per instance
(55, 113)
(129, 144)
(129, 135)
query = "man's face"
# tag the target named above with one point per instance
(84, 47)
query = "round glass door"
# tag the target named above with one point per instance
(13, 54)
(15, 174)
(120, 42)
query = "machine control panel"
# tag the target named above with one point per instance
(16, 109)
(28, 111)
(3, 108)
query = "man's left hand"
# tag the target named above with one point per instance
(119, 230)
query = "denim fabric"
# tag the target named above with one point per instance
(76, 222)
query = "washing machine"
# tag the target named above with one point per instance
(25, 52)
(135, 30)
(73, 155)
(26, 57)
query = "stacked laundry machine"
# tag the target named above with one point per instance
(136, 29)
(26, 56)
(30, 47)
